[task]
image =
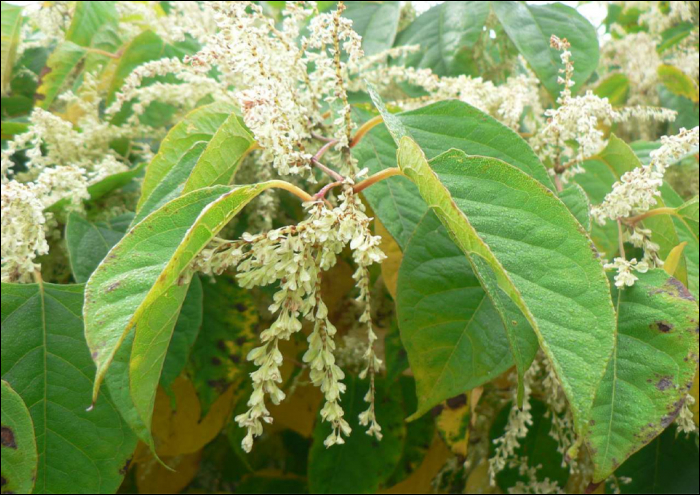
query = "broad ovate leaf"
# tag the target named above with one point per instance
(576, 199)
(669, 464)
(650, 373)
(445, 34)
(171, 185)
(539, 256)
(375, 22)
(47, 362)
(19, 457)
(437, 128)
(530, 28)
(89, 242)
(136, 293)
(198, 126)
(453, 334)
(185, 334)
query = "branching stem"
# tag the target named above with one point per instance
(366, 127)
(379, 176)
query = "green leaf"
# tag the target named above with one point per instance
(674, 35)
(11, 129)
(88, 18)
(228, 334)
(685, 234)
(445, 33)
(688, 213)
(576, 199)
(688, 110)
(531, 26)
(46, 360)
(363, 464)
(61, 64)
(88, 243)
(19, 457)
(143, 48)
(601, 173)
(437, 127)
(184, 334)
(615, 88)
(678, 82)
(138, 289)
(376, 22)
(199, 125)
(419, 434)
(171, 185)
(452, 333)
(9, 34)
(650, 373)
(224, 153)
(667, 465)
(540, 256)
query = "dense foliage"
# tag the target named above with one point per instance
(301, 247)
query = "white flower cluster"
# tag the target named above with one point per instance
(193, 18)
(562, 430)
(23, 231)
(637, 190)
(533, 485)
(185, 94)
(573, 131)
(295, 257)
(637, 193)
(576, 120)
(636, 57)
(83, 142)
(330, 36)
(62, 158)
(519, 422)
(659, 17)
(686, 420)
(279, 95)
(507, 102)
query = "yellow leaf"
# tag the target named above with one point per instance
(394, 256)
(420, 481)
(453, 423)
(152, 477)
(479, 480)
(182, 430)
(298, 412)
(673, 259)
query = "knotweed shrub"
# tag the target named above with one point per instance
(347, 247)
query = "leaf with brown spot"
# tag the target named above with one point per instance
(454, 422)
(19, 454)
(650, 373)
